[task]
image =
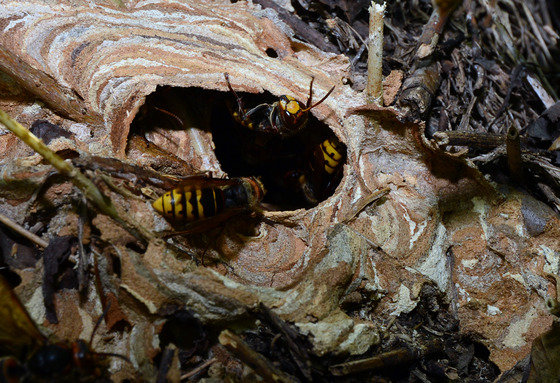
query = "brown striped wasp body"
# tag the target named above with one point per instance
(201, 202)
(321, 172)
(283, 118)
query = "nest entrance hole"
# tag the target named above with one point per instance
(278, 162)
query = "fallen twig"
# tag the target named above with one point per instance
(253, 359)
(22, 231)
(303, 29)
(195, 371)
(374, 87)
(473, 140)
(387, 359)
(513, 149)
(299, 354)
(168, 356)
(92, 193)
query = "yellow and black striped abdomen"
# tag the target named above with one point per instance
(186, 204)
(331, 155)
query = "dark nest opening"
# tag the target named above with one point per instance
(287, 166)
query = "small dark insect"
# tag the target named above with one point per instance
(283, 118)
(200, 202)
(321, 173)
(26, 355)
